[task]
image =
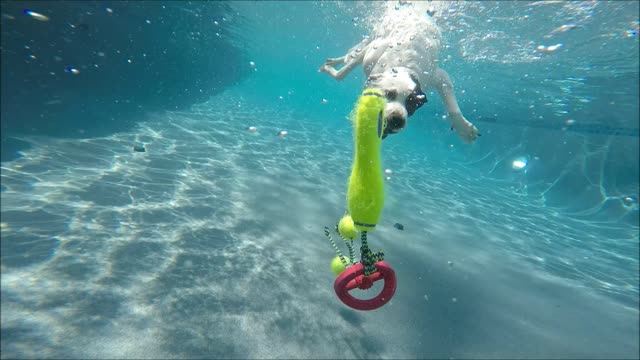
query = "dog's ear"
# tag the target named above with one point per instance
(414, 78)
(416, 99)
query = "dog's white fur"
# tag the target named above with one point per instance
(404, 43)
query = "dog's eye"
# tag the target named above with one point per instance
(391, 94)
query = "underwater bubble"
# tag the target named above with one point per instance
(109, 10)
(519, 164)
(553, 47)
(388, 178)
(36, 15)
(252, 128)
(216, 23)
(548, 49)
(570, 122)
(72, 70)
(454, 300)
(630, 202)
(388, 171)
(252, 64)
(280, 97)
(282, 133)
(426, 297)
(148, 21)
(450, 263)
(324, 101)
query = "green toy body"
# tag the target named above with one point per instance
(365, 194)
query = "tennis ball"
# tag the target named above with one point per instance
(346, 228)
(337, 267)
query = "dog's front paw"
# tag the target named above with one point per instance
(466, 130)
(323, 68)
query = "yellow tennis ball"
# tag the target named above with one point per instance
(346, 228)
(337, 267)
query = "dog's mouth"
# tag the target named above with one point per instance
(394, 125)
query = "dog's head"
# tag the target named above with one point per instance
(404, 96)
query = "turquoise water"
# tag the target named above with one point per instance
(209, 244)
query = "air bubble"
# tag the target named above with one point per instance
(519, 164)
(630, 202)
(36, 15)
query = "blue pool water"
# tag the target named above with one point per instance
(209, 244)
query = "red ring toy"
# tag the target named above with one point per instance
(353, 277)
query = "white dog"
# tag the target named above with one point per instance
(399, 57)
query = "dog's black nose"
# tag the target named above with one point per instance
(395, 124)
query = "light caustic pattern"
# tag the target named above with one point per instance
(156, 254)
(205, 243)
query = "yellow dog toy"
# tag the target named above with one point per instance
(365, 198)
(365, 194)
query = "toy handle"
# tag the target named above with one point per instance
(353, 277)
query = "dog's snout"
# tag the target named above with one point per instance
(396, 123)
